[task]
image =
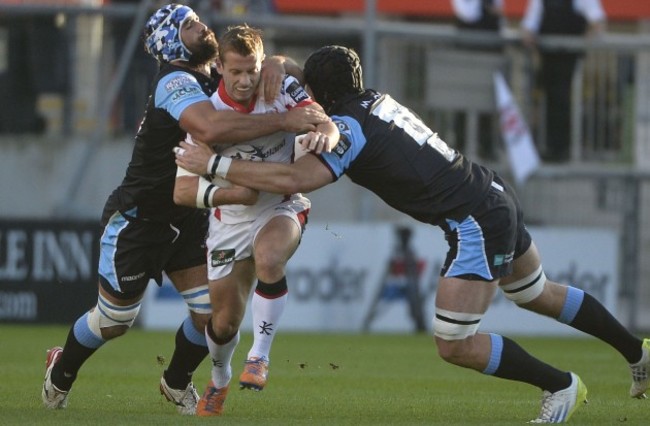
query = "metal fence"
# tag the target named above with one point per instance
(606, 182)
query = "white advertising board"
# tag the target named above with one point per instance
(342, 272)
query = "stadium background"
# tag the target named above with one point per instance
(89, 80)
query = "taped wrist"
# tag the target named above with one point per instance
(218, 165)
(212, 164)
(205, 193)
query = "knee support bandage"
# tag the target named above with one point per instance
(450, 325)
(106, 314)
(198, 300)
(527, 288)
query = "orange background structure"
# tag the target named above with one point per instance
(617, 10)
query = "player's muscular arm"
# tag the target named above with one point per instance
(274, 69)
(305, 175)
(210, 126)
(284, 64)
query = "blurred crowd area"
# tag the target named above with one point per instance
(42, 54)
(59, 58)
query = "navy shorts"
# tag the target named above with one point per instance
(483, 245)
(134, 251)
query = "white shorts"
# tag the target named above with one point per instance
(228, 243)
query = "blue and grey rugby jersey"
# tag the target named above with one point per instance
(148, 187)
(388, 149)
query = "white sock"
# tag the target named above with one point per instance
(266, 316)
(221, 357)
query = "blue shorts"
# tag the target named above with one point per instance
(134, 251)
(484, 245)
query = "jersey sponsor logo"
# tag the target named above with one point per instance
(342, 126)
(366, 104)
(501, 259)
(344, 142)
(342, 147)
(257, 153)
(370, 102)
(297, 92)
(185, 92)
(221, 257)
(129, 278)
(177, 82)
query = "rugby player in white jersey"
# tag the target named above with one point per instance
(246, 241)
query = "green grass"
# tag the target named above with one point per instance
(314, 380)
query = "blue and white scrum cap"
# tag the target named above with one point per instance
(162, 33)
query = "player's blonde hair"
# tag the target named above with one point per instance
(241, 39)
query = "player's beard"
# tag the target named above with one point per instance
(207, 50)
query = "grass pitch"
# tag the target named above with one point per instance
(315, 379)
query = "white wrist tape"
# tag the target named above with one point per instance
(205, 193)
(223, 166)
(212, 164)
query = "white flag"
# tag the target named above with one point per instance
(523, 156)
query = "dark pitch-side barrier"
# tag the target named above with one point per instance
(48, 269)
